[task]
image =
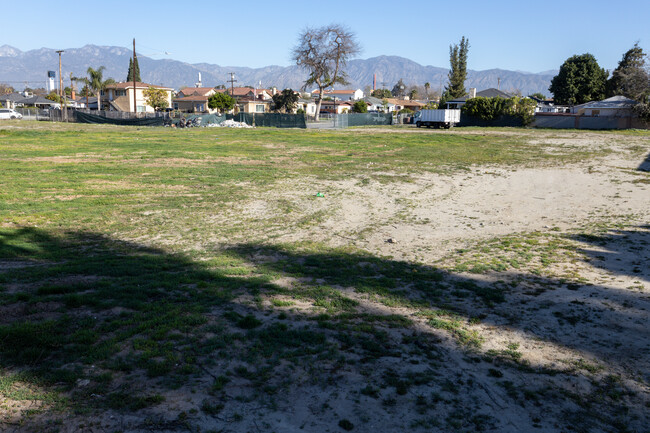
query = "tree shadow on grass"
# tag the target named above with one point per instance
(101, 324)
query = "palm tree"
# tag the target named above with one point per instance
(427, 86)
(95, 81)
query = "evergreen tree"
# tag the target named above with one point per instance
(630, 78)
(133, 66)
(458, 71)
(580, 80)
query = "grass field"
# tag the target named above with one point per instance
(192, 280)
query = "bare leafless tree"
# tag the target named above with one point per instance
(323, 52)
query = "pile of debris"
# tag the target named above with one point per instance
(229, 124)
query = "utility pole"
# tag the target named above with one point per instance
(61, 93)
(232, 82)
(135, 107)
(60, 76)
(499, 83)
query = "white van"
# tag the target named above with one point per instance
(8, 113)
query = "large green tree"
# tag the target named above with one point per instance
(458, 71)
(360, 107)
(580, 80)
(133, 68)
(323, 52)
(399, 89)
(155, 98)
(381, 93)
(631, 77)
(221, 101)
(286, 101)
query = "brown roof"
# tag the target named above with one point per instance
(138, 84)
(238, 91)
(196, 91)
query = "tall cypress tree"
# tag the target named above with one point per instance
(133, 66)
(129, 74)
(458, 71)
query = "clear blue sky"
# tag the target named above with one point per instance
(531, 36)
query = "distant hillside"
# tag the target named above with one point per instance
(17, 67)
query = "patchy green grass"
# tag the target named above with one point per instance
(128, 271)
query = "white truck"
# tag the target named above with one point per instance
(437, 118)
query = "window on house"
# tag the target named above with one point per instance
(175, 105)
(140, 108)
(595, 113)
(259, 108)
(120, 92)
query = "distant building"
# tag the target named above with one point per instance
(341, 95)
(119, 97)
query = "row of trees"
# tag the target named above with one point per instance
(581, 79)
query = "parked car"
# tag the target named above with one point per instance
(8, 113)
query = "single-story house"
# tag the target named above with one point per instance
(196, 91)
(249, 92)
(405, 103)
(192, 104)
(9, 100)
(251, 105)
(119, 96)
(377, 105)
(548, 106)
(337, 107)
(487, 93)
(307, 105)
(616, 106)
(341, 95)
(37, 101)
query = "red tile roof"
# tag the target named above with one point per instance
(196, 91)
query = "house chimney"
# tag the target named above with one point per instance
(472, 92)
(274, 90)
(199, 83)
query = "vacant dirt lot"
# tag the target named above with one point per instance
(538, 277)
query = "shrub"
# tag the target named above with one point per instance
(493, 108)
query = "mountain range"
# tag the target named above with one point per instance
(29, 69)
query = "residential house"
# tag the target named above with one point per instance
(10, 99)
(249, 92)
(616, 106)
(196, 91)
(336, 107)
(341, 95)
(548, 106)
(487, 93)
(307, 105)
(376, 105)
(194, 99)
(37, 101)
(252, 105)
(400, 104)
(120, 97)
